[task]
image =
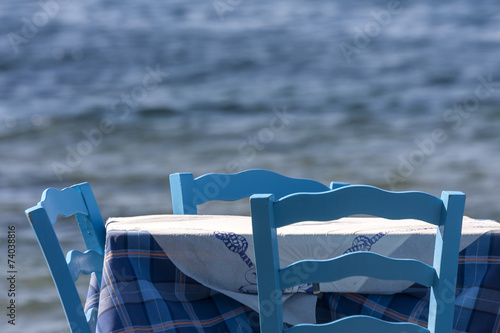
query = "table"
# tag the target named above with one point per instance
(149, 280)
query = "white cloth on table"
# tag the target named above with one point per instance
(217, 251)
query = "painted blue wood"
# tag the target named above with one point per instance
(442, 302)
(91, 317)
(79, 201)
(358, 199)
(335, 185)
(357, 264)
(91, 224)
(84, 263)
(62, 203)
(269, 214)
(265, 248)
(359, 324)
(188, 193)
(184, 192)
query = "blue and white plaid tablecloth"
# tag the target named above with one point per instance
(143, 291)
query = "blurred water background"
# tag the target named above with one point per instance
(401, 95)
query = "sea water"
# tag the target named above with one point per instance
(404, 95)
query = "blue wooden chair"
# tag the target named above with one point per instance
(79, 201)
(268, 215)
(188, 192)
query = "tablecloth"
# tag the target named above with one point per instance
(143, 291)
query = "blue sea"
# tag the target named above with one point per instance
(404, 95)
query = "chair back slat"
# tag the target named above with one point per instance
(358, 199)
(362, 263)
(188, 193)
(84, 263)
(66, 202)
(359, 324)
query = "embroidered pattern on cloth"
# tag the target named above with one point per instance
(363, 243)
(239, 245)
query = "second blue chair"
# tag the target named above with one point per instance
(188, 192)
(79, 201)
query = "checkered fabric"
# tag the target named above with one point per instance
(143, 291)
(477, 303)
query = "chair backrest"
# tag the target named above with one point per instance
(446, 213)
(77, 200)
(188, 192)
